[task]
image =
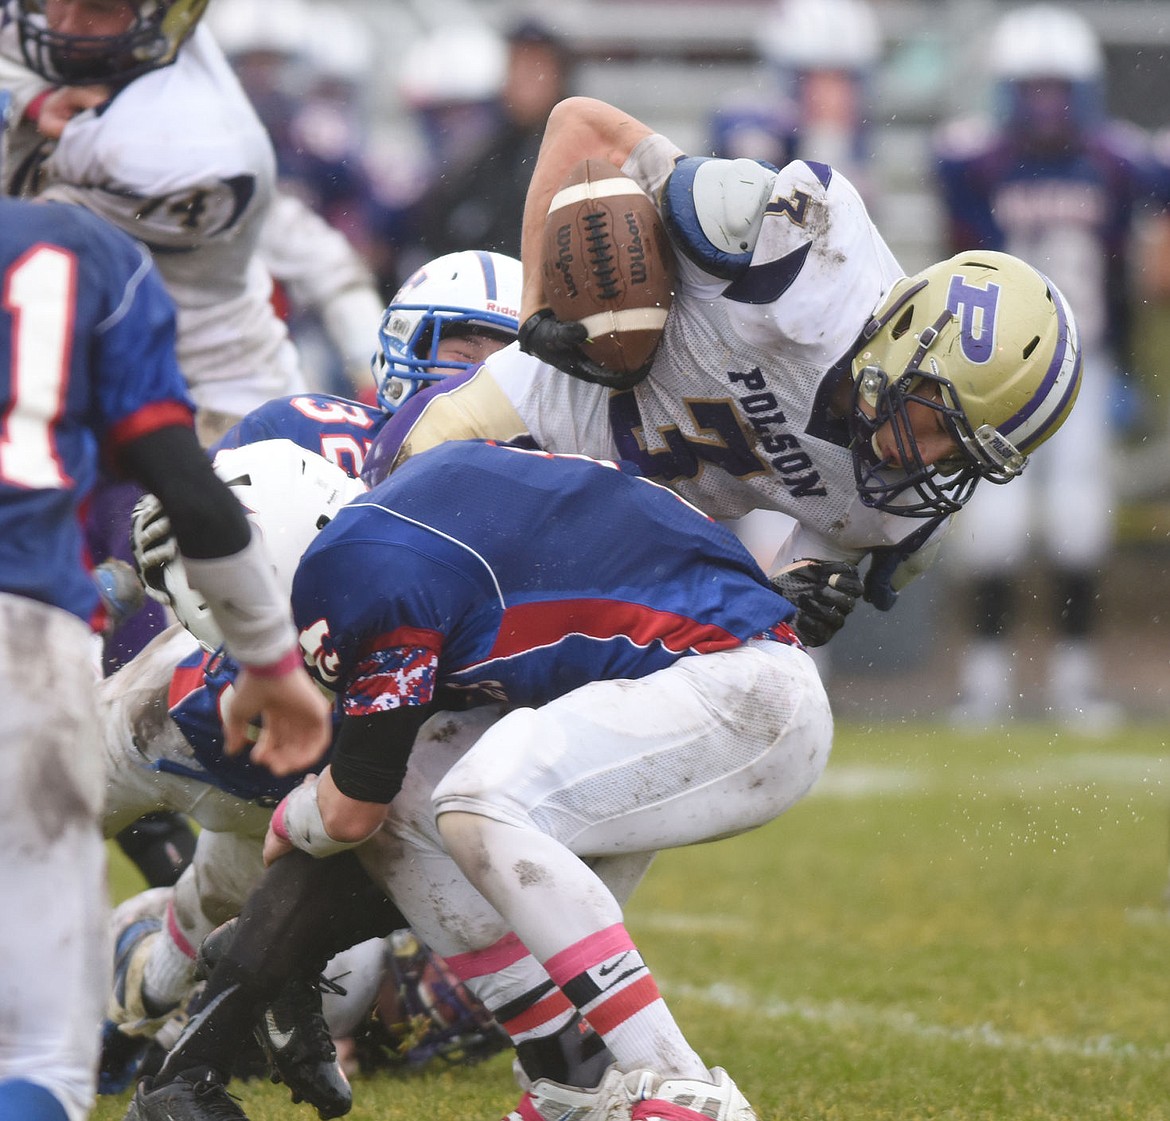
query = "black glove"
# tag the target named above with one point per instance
(824, 592)
(558, 343)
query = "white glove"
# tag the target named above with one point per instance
(153, 545)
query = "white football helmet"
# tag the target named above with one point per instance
(458, 292)
(997, 340)
(1045, 41)
(288, 494)
(347, 52)
(281, 28)
(823, 55)
(455, 63)
(1045, 45)
(821, 35)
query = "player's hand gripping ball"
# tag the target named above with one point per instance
(609, 265)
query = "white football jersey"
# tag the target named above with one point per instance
(726, 414)
(734, 414)
(179, 159)
(320, 269)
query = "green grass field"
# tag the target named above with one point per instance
(949, 926)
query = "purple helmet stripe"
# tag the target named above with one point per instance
(1042, 412)
(489, 272)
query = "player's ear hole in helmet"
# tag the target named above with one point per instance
(289, 495)
(147, 38)
(981, 346)
(470, 292)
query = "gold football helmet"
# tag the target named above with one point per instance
(151, 41)
(987, 341)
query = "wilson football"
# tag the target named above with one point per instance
(608, 263)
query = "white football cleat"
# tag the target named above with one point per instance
(672, 1099)
(550, 1101)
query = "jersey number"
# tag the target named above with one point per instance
(39, 295)
(188, 208)
(724, 446)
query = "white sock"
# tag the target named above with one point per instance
(985, 675)
(169, 975)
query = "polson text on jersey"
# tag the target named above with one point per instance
(788, 459)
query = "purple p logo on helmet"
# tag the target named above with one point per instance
(975, 309)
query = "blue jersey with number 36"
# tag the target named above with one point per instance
(87, 363)
(336, 428)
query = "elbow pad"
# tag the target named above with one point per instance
(713, 210)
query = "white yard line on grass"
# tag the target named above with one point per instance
(849, 781)
(694, 924)
(842, 1014)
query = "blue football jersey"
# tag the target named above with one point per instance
(87, 362)
(1070, 214)
(502, 573)
(194, 700)
(338, 429)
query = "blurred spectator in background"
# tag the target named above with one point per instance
(475, 198)
(815, 97)
(305, 68)
(1143, 465)
(450, 82)
(1051, 179)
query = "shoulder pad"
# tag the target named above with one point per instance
(713, 210)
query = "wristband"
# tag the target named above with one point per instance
(277, 822)
(297, 820)
(32, 111)
(291, 661)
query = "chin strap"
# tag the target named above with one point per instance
(885, 561)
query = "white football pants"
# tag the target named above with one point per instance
(55, 957)
(1061, 508)
(594, 783)
(138, 735)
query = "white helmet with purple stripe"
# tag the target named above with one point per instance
(988, 342)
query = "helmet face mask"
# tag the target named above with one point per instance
(152, 40)
(988, 345)
(468, 293)
(916, 489)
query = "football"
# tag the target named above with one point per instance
(608, 264)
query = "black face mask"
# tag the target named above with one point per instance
(76, 60)
(916, 489)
